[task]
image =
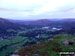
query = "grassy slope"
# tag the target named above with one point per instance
(9, 46)
(49, 48)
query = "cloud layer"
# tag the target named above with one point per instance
(37, 9)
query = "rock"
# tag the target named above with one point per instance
(73, 41)
(66, 42)
(36, 55)
(15, 55)
(38, 36)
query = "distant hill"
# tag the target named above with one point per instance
(33, 22)
(19, 24)
(6, 25)
(43, 22)
(49, 22)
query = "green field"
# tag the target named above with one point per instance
(44, 48)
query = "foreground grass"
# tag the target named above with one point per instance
(46, 48)
(9, 46)
(50, 47)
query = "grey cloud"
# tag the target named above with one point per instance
(16, 10)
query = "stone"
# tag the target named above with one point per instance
(36, 55)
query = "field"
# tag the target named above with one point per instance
(52, 47)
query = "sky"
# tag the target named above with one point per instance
(37, 9)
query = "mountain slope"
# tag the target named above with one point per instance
(49, 22)
(6, 25)
(51, 47)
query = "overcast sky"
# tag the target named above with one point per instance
(37, 9)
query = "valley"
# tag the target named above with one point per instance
(41, 37)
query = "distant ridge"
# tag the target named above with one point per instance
(6, 25)
(44, 22)
(48, 22)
